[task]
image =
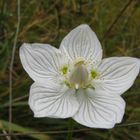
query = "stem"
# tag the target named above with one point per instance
(11, 66)
(70, 129)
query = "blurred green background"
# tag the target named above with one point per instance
(48, 21)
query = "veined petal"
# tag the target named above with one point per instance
(52, 100)
(117, 74)
(82, 42)
(99, 110)
(41, 61)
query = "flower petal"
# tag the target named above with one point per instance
(99, 110)
(82, 42)
(41, 61)
(117, 74)
(52, 100)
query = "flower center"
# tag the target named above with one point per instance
(79, 76)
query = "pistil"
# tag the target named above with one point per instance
(79, 76)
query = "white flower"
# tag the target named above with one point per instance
(74, 81)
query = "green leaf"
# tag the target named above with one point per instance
(17, 128)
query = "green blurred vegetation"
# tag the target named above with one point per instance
(48, 21)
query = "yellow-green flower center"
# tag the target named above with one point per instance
(78, 76)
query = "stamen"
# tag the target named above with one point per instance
(94, 74)
(64, 70)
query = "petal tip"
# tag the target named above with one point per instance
(24, 46)
(38, 116)
(83, 26)
(138, 62)
(22, 50)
